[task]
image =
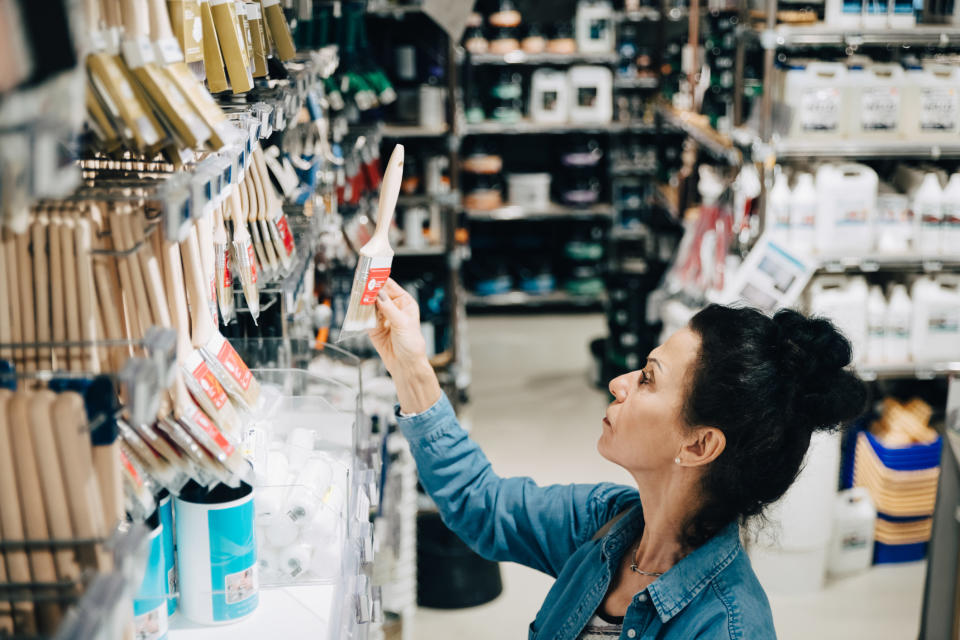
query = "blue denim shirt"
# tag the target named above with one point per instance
(712, 593)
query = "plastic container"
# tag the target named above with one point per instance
(803, 214)
(874, 98)
(843, 13)
(900, 14)
(778, 210)
(549, 96)
(529, 189)
(591, 94)
(816, 93)
(927, 214)
(594, 26)
(893, 226)
(851, 547)
(876, 325)
(933, 100)
(874, 14)
(896, 333)
(935, 331)
(844, 301)
(847, 204)
(950, 212)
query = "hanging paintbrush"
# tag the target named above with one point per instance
(279, 29)
(212, 58)
(86, 296)
(41, 285)
(6, 305)
(109, 296)
(70, 299)
(232, 47)
(223, 275)
(243, 257)
(262, 264)
(277, 221)
(260, 214)
(58, 313)
(204, 226)
(27, 316)
(223, 359)
(269, 261)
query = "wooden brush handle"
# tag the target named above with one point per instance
(109, 297)
(13, 290)
(51, 482)
(41, 286)
(150, 268)
(389, 192)
(203, 328)
(58, 314)
(110, 10)
(135, 297)
(89, 330)
(11, 518)
(28, 323)
(5, 306)
(136, 18)
(42, 564)
(6, 610)
(71, 300)
(160, 28)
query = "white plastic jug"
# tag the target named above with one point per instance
(874, 97)
(595, 27)
(933, 101)
(935, 333)
(847, 204)
(591, 94)
(950, 233)
(894, 221)
(844, 301)
(876, 325)
(896, 333)
(851, 547)
(927, 214)
(803, 214)
(843, 13)
(549, 96)
(778, 210)
(816, 92)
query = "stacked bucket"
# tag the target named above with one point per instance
(898, 462)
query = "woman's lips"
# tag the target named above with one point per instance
(606, 421)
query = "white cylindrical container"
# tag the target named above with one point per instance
(933, 102)
(305, 496)
(432, 99)
(927, 214)
(851, 548)
(295, 560)
(778, 208)
(896, 333)
(950, 235)
(935, 330)
(216, 553)
(876, 325)
(894, 221)
(816, 94)
(595, 28)
(875, 98)
(591, 94)
(844, 301)
(165, 509)
(529, 189)
(413, 219)
(150, 602)
(803, 214)
(549, 96)
(847, 204)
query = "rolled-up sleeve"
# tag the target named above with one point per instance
(504, 519)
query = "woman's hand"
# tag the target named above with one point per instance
(403, 350)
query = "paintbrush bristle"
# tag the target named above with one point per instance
(369, 278)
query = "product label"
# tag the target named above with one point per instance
(803, 215)
(227, 276)
(207, 426)
(880, 109)
(253, 263)
(944, 320)
(130, 469)
(938, 109)
(208, 383)
(549, 100)
(234, 365)
(853, 541)
(598, 29)
(233, 561)
(284, 228)
(586, 97)
(852, 212)
(375, 281)
(820, 109)
(898, 328)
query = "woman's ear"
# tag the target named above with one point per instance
(703, 447)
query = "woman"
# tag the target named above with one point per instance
(712, 429)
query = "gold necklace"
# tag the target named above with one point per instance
(633, 566)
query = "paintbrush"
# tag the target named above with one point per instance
(224, 278)
(244, 261)
(376, 256)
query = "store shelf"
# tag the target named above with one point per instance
(644, 14)
(651, 82)
(521, 57)
(551, 212)
(385, 10)
(624, 168)
(821, 35)
(432, 250)
(424, 200)
(695, 126)
(922, 371)
(412, 131)
(519, 299)
(826, 148)
(892, 262)
(528, 127)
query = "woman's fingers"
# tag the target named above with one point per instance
(391, 313)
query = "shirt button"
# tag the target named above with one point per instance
(631, 633)
(642, 597)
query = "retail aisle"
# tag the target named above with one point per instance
(534, 413)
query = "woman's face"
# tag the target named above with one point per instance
(643, 429)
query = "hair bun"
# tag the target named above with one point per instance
(814, 353)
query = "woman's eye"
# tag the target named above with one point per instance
(643, 377)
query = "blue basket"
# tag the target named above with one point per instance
(910, 458)
(893, 553)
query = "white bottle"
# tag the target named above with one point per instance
(846, 208)
(927, 214)
(803, 214)
(935, 333)
(896, 333)
(591, 94)
(950, 224)
(874, 97)
(816, 93)
(876, 325)
(595, 28)
(933, 102)
(778, 210)
(854, 517)
(894, 227)
(549, 98)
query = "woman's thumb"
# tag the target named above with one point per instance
(389, 308)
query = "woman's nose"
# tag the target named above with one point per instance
(618, 389)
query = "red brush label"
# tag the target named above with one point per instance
(375, 282)
(130, 469)
(205, 423)
(253, 264)
(285, 234)
(227, 276)
(208, 382)
(234, 365)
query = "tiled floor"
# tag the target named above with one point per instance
(535, 413)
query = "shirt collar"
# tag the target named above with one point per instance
(675, 589)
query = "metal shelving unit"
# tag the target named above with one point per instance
(806, 148)
(520, 299)
(530, 127)
(822, 35)
(412, 131)
(644, 82)
(918, 370)
(430, 250)
(517, 212)
(892, 262)
(521, 57)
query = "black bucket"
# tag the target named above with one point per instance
(449, 574)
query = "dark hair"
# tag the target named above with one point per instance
(767, 384)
